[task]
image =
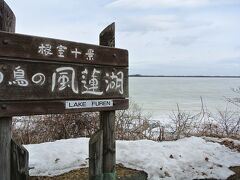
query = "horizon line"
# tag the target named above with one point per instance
(220, 76)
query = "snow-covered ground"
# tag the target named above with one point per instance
(184, 159)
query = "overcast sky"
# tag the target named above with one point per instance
(164, 37)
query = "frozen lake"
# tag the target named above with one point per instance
(159, 95)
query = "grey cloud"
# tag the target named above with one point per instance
(182, 40)
(159, 23)
(145, 4)
(142, 4)
(230, 61)
(149, 23)
(237, 48)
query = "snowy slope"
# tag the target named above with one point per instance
(184, 159)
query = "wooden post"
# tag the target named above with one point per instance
(7, 18)
(95, 156)
(5, 148)
(19, 162)
(109, 152)
(107, 119)
(7, 23)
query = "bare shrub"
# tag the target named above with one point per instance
(206, 125)
(209, 127)
(24, 129)
(132, 124)
(225, 123)
(181, 123)
(184, 124)
(236, 100)
(45, 128)
(229, 123)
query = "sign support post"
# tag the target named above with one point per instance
(95, 156)
(5, 147)
(107, 119)
(7, 23)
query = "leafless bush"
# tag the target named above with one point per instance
(25, 129)
(225, 123)
(229, 123)
(132, 124)
(184, 124)
(38, 129)
(209, 127)
(236, 100)
(205, 124)
(181, 123)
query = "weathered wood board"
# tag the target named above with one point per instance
(19, 162)
(107, 119)
(7, 23)
(95, 156)
(41, 75)
(46, 49)
(7, 18)
(34, 80)
(5, 148)
(24, 108)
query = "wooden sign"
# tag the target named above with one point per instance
(69, 76)
(24, 80)
(46, 49)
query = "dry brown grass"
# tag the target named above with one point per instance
(82, 174)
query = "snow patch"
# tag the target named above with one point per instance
(184, 159)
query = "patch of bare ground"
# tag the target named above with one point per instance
(230, 144)
(236, 176)
(82, 174)
(122, 174)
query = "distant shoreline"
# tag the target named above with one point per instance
(185, 76)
